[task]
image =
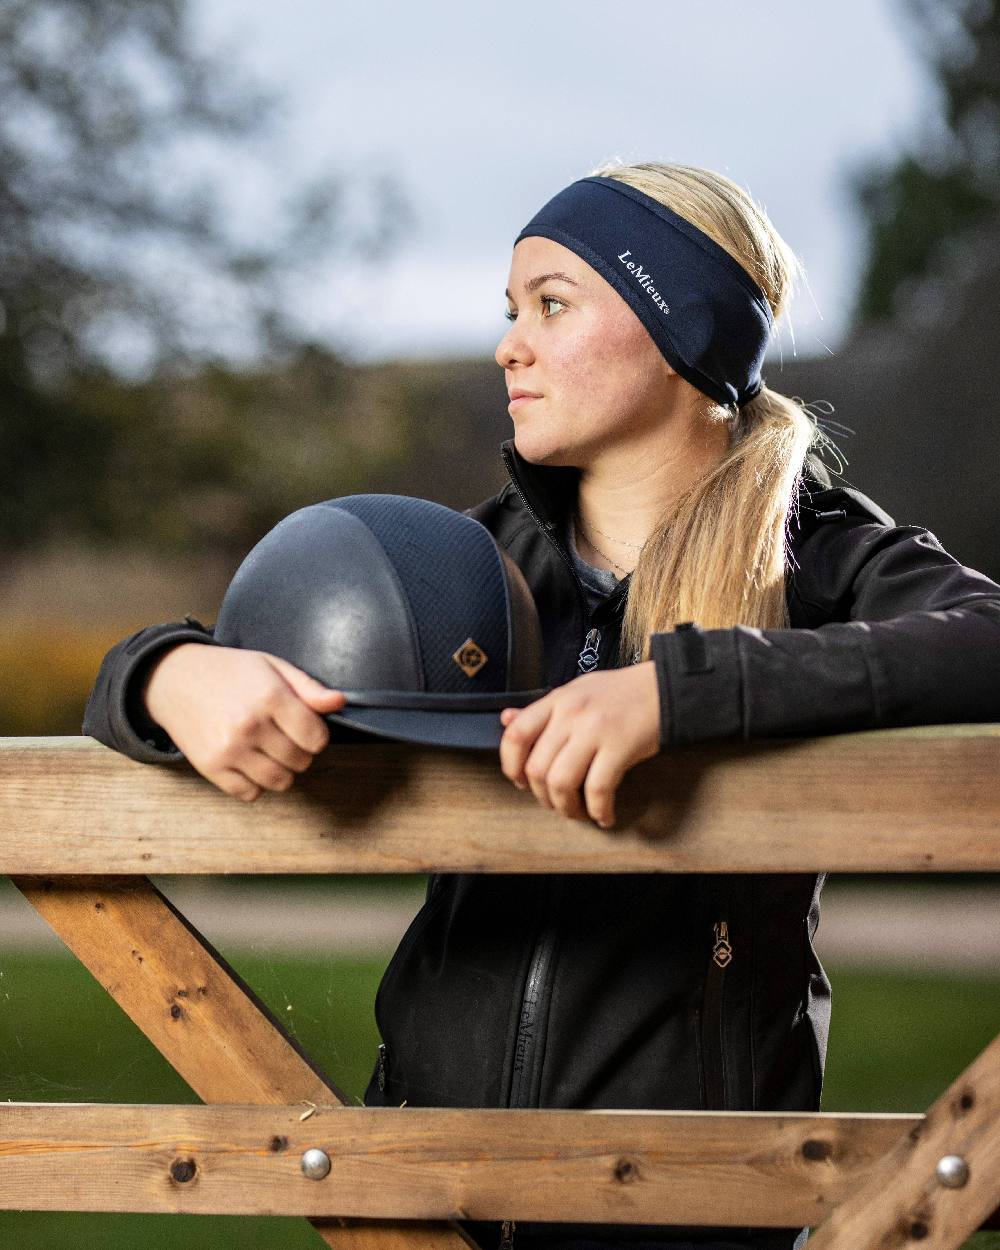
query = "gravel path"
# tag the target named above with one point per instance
(935, 928)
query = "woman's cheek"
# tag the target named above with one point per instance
(596, 371)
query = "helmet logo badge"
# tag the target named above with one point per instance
(470, 657)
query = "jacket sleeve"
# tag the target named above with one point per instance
(903, 635)
(115, 713)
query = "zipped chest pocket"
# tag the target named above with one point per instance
(590, 656)
(715, 1060)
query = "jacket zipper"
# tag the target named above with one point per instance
(382, 1064)
(589, 657)
(712, 1020)
(545, 526)
(527, 1040)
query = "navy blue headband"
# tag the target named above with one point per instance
(702, 309)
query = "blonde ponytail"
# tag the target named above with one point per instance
(719, 556)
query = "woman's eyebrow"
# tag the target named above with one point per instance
(534, 283)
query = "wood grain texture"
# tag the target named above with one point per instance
(191, 1004)
(198, 1012)
(901, 1201)
(893, 800)
(72, 812)
(438, 1163)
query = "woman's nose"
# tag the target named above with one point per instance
(513, 349)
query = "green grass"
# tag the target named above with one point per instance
(62, 1038)
(897, 1040)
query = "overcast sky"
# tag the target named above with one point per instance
(485, 111)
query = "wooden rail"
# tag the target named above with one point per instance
(80, 827)
(906, 800)
(634, 1166)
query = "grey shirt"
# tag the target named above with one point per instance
(598, 583)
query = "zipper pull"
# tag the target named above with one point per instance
(589, 658)
(381, 1067)
(722, 951)
(507, 1235)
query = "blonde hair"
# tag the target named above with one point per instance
(719, 556)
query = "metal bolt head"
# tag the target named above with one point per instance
(316, 1164)
(952, 1171)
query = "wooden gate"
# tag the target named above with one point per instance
(81, 826)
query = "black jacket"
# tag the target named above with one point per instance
(655, 990)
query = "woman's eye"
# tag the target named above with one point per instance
(545, 299)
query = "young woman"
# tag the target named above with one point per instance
(697, 577)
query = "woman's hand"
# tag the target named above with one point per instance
(587, 733)
(246, 720)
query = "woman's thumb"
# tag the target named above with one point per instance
(312, 692)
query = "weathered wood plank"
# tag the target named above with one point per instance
(69, 805)
(437, 1163)
(902, 1201)
(180, 991)
(198, 1012)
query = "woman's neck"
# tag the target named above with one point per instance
(623, 495)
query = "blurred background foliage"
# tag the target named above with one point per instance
(112, 264)
(919, 210)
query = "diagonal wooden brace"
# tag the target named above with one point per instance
(904, 1199)
(202, 1017)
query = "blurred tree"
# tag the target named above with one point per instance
(210, 461)
(121, 260)
(919, 209)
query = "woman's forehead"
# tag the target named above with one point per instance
(536, 260)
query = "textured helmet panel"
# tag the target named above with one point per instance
(449, 566)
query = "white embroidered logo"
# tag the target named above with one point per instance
(645, 280)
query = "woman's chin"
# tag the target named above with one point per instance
(536, 448)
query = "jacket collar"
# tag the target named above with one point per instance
(548, 492)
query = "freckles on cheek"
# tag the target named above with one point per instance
(608, 374)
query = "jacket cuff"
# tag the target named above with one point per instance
(701, 684)
(127, 727)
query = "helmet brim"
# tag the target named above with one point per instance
(471, 730)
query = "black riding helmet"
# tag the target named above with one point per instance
(407, 606)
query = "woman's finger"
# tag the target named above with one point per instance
(234, 783)
(519, 737)
(603, 779)
(266, 772)
(565, 776)
(536, 768)
(274, 741)
(320, 698)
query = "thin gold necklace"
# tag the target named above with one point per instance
(603, 554)
(634, 546)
